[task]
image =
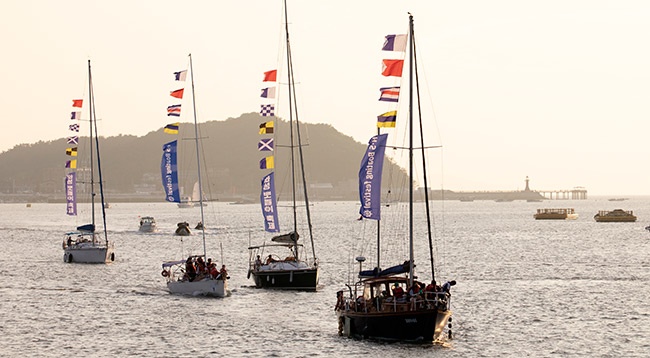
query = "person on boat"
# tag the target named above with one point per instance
(212, 269)
(414, 290)
(258, 262)
(430, 290)
(398, 291)
(69, 241)
(223, 273)
(340, 301)
(446, 287)
(270, 260)
(201, 268)
(190, 270)
(199, 226)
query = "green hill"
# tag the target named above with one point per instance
(131, 164)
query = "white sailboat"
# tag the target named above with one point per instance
(85, 244)
(289, 268)
(188, 276)
(195, 200)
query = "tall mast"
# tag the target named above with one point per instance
(411, 62)
(93, 124)
(90, 136)
(198, 161)
(424, 165)
(293, 109)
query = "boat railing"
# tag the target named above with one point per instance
(440, 300)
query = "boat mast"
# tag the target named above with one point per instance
(93, 119)
(424, 162)
(293, 109)
(92, 161)
(198, 161)
(411, 62)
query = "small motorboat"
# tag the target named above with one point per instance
(147, 224)
(183, 229)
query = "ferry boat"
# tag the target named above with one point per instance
(617, 215)
(556, 214)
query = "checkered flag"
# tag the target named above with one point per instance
(74, 127)
(267, 110)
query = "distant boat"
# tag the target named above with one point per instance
(617, 215)
(556, 214)
(617, 199)
(85, 245)
(194, 200)
(147, 224)
(183, 229)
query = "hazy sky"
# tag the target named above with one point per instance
(554, 90)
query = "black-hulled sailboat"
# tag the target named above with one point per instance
(86, 245)
(283, 263)
(391, 304)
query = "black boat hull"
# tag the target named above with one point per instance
(304, 280)
(409, 326)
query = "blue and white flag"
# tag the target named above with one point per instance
(71, 193)
(180, 75)
(265, 144)
(268, 92)
(395, 43)
(169, 172)
(267, 110)
(269, 204)
(370, 177)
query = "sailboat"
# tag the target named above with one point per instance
(391, 304)
(287, 269)
(85, 244)
(194, 200)
(193, 275)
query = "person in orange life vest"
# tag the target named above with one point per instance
(398, 291)
(212, 269)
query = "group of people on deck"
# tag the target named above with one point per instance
(418, 290)
(269, 260)
(197, 269)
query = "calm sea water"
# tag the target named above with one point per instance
(525, 288)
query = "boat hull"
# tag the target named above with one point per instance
(147, 228)
(304, 280)
(410, 326)
(89, 254)
(206, 287)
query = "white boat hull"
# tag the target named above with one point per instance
(89, 254)
(205, 287)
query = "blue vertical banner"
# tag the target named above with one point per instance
(370, 177)
(269, 204)
(169, 172)
(71, 193)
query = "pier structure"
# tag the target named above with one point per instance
(577, 193)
